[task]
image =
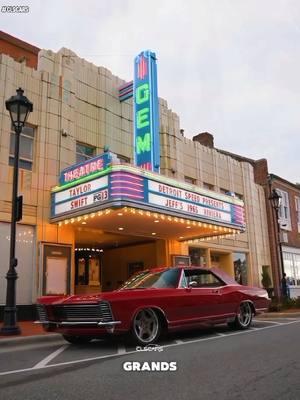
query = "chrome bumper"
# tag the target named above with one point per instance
(78, 323)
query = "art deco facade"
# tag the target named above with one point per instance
(77, 115)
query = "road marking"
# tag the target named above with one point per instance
(271, 322)
(47, 359)
(121, 349)
(29, 346)
(220, 334)
(178, 341)
(135, 351)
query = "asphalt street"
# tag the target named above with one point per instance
(260, 363)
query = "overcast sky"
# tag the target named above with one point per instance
(228, 67)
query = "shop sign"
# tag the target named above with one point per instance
(128, 185)
(85, 169)
(81, 196)
(181, 194)
(146, 120)
(81, 190)
(194, 204)
(189, 208)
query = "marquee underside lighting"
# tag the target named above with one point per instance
(201, 230)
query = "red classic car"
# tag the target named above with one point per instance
(152, 302)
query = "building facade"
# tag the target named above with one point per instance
(284, 233)
(86, 248)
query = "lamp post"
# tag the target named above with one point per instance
(275, 199)
(19, 108)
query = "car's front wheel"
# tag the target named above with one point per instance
(77, 339)
(146, 326)
(243, 318)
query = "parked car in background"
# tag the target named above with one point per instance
(153, 302)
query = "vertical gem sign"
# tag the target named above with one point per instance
(146, 119)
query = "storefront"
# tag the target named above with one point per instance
(125, 218)
(291, 261)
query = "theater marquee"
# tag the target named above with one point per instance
(120, 185)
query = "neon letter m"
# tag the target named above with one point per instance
(143, 143)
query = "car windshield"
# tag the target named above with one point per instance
(153, 279)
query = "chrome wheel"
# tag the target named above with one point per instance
(146, 327)
(244, 316)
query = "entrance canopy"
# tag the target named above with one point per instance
(123, 199)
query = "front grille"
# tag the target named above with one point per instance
(42, 312)
(105, 311)
(83, 312)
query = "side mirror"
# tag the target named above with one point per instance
(193, 284)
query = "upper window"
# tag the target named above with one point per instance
(284, 211)
(190, 180)
(123, 159)
(202, 278)
(26, 147)
(224, 191)
(208, 186)
(239, 196)
(297, 206)
(84, 152)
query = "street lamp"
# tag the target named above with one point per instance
(19, 108)
(275, 199)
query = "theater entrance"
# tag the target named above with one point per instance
(105, 260)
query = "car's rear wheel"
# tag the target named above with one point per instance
(146, 327)
(243, 318)
(77, 339)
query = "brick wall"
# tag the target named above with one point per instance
(19, 50)
(293, 234)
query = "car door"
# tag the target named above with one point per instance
(201, 295)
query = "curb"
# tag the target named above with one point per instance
(279, 315)
(31, 339)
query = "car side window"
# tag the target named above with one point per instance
(204, 279)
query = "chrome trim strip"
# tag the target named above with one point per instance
(109, 323)
(62, 323)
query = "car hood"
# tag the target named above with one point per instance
(108, 296)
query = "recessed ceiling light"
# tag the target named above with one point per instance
(153, 233)
(156, 221)
(180, 237)
(120, 214)
(83, 223)
(120, 228)
(188, 227)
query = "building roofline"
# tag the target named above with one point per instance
(279, 178)
(236, 156)
(18, 42)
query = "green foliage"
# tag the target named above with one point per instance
(284, 304)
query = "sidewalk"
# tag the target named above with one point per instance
(29, 330)
(290, 313)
